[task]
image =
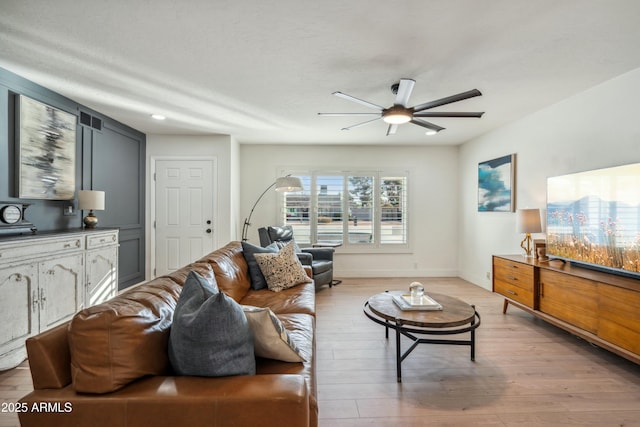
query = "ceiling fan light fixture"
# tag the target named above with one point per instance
(397, 115)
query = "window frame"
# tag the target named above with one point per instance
(347, 247)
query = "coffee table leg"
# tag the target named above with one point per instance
(473, 334)
(398, 356)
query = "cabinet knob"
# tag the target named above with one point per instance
(208, 231)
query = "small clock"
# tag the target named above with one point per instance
(12, 218)
(10, 214)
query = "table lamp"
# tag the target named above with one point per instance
(528, 221)
(92, 200)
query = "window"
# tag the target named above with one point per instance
(354, 209)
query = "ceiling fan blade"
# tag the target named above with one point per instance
(392, 130)
(404, 91)
(348, 114)
(358, 100)
(360, 124)
(445, 114)
(447, 100)
(427, 125)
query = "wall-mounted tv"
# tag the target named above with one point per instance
(593, 218)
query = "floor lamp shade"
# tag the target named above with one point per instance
(92, 200)
(287, 184)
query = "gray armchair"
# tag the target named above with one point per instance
(320, 259)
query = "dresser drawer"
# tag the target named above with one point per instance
(100, 240)
(514, 274)
(513, 292)
(37, 248)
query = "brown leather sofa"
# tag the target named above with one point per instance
(109, 365)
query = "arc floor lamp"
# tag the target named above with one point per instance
(284, 184)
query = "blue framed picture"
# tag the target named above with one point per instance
(496, 184)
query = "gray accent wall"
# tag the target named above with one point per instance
(111, 159)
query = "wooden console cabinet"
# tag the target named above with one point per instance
(46, 278)
(600, 307)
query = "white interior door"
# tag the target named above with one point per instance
(184, 212)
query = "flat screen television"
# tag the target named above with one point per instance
(593, 218)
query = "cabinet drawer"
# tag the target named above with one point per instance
(102, 239)
(41, 247)
(513, 292)
(514, 274)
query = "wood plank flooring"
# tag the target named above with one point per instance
(526, 372)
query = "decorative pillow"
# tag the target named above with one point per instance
(248, 250)
(282, 270)
(281, 244)
(210, 335)
(270, 338)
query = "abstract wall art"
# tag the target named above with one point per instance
(496, 184)
(46, 151)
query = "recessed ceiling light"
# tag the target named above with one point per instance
(430, 132)
(158, 117)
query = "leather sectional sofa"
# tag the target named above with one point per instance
(109, 366)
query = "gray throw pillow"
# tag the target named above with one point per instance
(210, 335)
(248, 250)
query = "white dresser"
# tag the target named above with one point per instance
(47, 277)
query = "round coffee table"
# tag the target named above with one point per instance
(456, 317)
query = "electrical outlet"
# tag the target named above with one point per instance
(488, 275)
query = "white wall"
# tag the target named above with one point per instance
(595, 129)
(222, 147)
(433, 201)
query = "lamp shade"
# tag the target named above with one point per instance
(288, 183)
(91, 199)
(528, 221)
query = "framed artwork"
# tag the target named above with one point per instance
(496, 184)
(46, 155)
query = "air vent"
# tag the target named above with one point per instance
(96, 123)
(88, 120)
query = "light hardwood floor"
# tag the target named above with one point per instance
(526, 372)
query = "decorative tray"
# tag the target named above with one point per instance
(407, 302)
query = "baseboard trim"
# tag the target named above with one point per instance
(395, 273)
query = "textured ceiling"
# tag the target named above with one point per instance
(261, 70)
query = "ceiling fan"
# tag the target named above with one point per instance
(399, 113)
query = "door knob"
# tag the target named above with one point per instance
(209, 230)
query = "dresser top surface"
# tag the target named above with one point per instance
(53, 234)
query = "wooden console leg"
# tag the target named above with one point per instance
(504, 306)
